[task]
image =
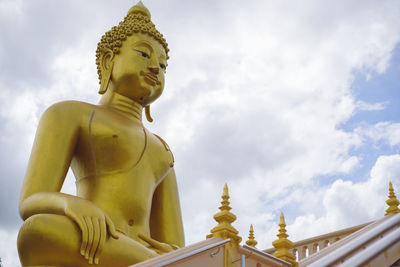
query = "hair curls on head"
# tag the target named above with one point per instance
(137, 20)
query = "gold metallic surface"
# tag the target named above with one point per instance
(283, 244)
(252, 242)
(136, 21)
(392, 202)
(225, 230)
(127, 207)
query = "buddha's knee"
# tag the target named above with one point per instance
(46, 236)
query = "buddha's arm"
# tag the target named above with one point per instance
(50, 158)
(166, 219)
(54, 145)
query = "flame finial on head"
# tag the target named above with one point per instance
(140, 8)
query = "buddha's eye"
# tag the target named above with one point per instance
(163, 67)
(143, 54)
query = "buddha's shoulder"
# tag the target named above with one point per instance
(70, 106)
(162, 145)
(69, 110)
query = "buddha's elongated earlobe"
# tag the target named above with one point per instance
(106, 67)
(105, 80)
(147, 112)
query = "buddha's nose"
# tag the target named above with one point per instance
(154, 65)
(154, 69)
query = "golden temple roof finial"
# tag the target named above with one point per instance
(283, 245)
(392, 202)
(224, 229)
(251, 241)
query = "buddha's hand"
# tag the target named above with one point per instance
(93, 223)
(160, 247)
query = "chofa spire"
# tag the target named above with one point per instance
(251, 241)
(224, 229)
(392, 202)
(283, 245)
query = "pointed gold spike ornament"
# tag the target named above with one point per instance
(224, 229)
(251, 241)
(392, 202)
(283, 245)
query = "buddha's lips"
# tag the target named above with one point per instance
(151, 78)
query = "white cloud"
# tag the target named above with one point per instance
(348, 203)
(10, 8)
(361, 105)
(8, 248)
(388, 132)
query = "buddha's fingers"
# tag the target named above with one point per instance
(156, 244)
(82, 225)
(85, 235)
(111, 227)
(103, 234)
(174, 247)
(96, 238)
(89, 225)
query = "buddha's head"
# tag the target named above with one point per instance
(132, 57)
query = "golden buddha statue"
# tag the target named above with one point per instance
(127, 207)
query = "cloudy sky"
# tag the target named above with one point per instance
(295, 104)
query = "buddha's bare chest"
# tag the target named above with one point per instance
(112, 144)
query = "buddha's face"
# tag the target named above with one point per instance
(138, 70)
